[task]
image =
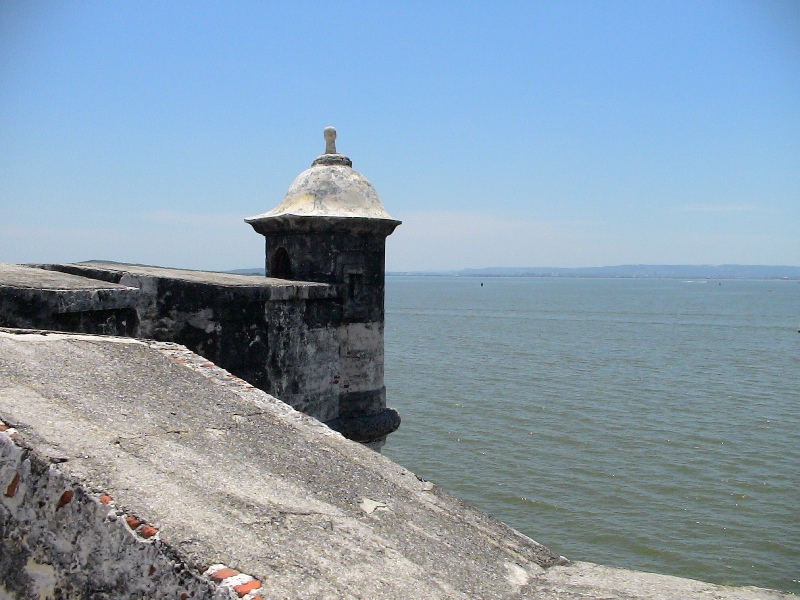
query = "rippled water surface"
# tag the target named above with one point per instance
(647, 424)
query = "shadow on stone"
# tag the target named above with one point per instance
(367, 428)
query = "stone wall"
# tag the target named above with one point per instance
(295, 340)
(30, 298)
(224, 318)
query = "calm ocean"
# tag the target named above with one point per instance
(646, 424)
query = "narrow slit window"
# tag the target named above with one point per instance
(354, 286)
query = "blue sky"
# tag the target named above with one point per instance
(501, 133)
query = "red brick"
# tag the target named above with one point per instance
(133, 522)
(184, 596)
(151, 570)
(148, 531)
(245, 588)
(65, 499)
(4, 428)
(105, 499)
(12, 487)
(223, 574)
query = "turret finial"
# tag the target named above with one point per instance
(331, 156)
(330, 140)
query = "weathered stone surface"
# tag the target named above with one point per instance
(303, 363)
(330, 188)
(252, 287)
(185, 479)
(32, 298)
(218, 315)
(304, 342)
(293, 339)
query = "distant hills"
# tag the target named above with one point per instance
(622, 271)
(256, 271)
(633, 271)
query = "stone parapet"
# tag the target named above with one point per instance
(60, 301)
(293, 339)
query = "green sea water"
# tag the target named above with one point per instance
(646, 424)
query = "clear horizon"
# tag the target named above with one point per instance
(570, 134)
(603, 266)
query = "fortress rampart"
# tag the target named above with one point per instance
(287, 338)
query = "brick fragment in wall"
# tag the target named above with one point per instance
(147, 531)
(243, 585)
(65, 499)
(245, 588)
(219, 575)
(132, 522)
(11, 490)
(9, 431)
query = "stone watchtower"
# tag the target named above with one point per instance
(331, 228)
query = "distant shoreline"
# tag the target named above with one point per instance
(770, 272)
(537, 276)
(721, 272)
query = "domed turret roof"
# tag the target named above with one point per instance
(330, 188)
